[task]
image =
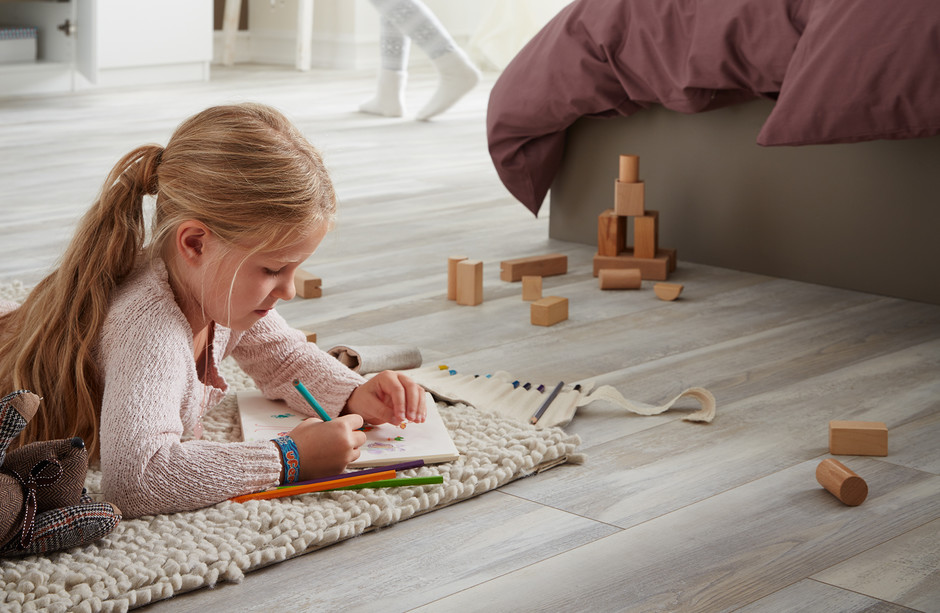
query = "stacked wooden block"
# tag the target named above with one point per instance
(613, 248)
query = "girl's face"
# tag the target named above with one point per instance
(244, 288)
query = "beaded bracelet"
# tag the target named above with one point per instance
(290, 456)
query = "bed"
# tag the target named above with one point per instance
(797, 138)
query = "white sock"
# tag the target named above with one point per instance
(458, 76)
(389, 99)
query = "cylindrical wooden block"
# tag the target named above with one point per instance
(629, 168)
(452, 275)
(841, 482)
(620, 278)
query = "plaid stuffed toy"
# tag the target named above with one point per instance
(43, 503)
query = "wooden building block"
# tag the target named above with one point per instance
(842, 482)
(629, 168)
(667, 291)
(538, 265)
(620, 278)
(611, 233)
(549, 311)
(469, 282)
(858, 438)
(307, 285)
(654, 269)
(629, 198)
(311, 336)
(452, 275)
(531, 288)
(671, 254)
(646, 234)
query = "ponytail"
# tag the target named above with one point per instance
(47, 344)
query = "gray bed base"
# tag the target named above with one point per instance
(862, 216)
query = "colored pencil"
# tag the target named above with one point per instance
(400, 482)
(551, 397)
(315, 487)
(367, 471)
(311, 400)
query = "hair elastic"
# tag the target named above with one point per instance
(290, 456)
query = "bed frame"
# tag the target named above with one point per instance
(862, 216)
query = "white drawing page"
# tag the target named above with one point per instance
(264, 419)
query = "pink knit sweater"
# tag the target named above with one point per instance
(152, 458)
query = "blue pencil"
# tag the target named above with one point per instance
(311, 400)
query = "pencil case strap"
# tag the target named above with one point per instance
(290, 457)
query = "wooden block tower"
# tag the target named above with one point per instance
(613, 248)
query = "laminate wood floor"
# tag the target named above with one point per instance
(665, 515)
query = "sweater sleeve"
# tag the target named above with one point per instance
(274, 355)
(149, 385)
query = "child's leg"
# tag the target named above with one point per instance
(457, 73)
(389, 97)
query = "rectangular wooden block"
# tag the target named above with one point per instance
(671, 254)
(531, 288)
(646, 235)
(538, 265)
(858, 438)
(611, 233)
(452, 275)
(653, 269)
(629, 198)
(307, 285)
(469, 282)
(549, 311)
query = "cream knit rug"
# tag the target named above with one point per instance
(156, 557)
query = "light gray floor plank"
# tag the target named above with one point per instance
(721, 553)
(754, 364)
(914, 444)
(661, 469)
(904, 570)
(809, 596)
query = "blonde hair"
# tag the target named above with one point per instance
(244, 171)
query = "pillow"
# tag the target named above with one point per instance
(862, 70)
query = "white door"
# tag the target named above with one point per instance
(86, 43)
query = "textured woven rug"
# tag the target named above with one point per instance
(156, 557)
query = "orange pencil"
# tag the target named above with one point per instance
(315, 487)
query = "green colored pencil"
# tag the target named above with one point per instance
(400, 482)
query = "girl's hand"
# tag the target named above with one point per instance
(388, 397)
(325, 448)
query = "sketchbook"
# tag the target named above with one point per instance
(263, 419)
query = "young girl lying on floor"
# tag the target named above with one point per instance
(124, 339)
